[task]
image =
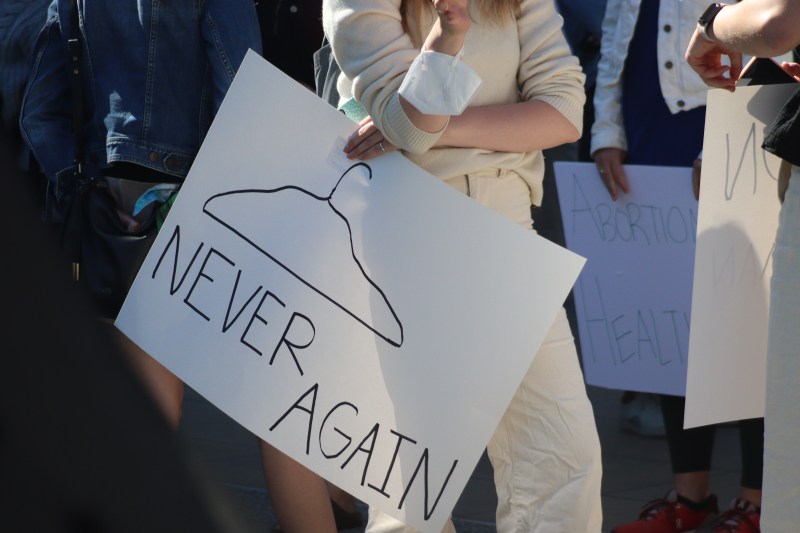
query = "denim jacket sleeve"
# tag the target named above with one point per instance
(46, 113)
(226, 29)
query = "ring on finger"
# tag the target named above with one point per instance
(380, 145)
(601, 171)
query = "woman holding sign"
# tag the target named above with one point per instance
(472, 92)
(651, 110)
(767, 28)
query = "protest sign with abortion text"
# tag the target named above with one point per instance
(633, 298)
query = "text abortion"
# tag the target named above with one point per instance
(644, 224)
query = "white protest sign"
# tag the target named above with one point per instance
(365, 319)
(633, 297)
(736, 230)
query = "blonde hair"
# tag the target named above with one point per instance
(495, 11)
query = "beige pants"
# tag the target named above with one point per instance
(545, 451)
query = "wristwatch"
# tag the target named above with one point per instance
(705, 20)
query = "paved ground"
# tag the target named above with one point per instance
(636, 469)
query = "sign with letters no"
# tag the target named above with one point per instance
(736, 232)
(364, 318)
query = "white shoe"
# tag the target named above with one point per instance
(642, 416)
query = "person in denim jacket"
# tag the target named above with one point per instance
(154, 74)
(650, 110)
(20, 22)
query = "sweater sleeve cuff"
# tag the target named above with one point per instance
(402, 132)
(569, 107)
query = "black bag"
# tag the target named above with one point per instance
(105, 256)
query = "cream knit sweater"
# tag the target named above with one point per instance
(522, 60)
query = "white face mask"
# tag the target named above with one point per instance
(439, 84)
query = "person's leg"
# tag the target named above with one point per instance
(694, 486)
(690, 451)
(780, 511)
(744, 513)
(164, 386)
(690, 504)
(299, 496)
(751, 436)
(545, 450)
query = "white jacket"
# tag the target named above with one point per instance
(681, 86)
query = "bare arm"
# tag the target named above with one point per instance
(548, 112)
(762, 28)
(520, 127)
(499, 128)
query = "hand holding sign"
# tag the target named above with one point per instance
(322, 303)
(609, 166)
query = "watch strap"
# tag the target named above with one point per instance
(704, 23)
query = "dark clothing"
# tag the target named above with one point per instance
(326, 72)
(691, 449)
(291, 31)
(783, 136)
(583, 28)
(20, 23)
(655, 136)
(154, 75)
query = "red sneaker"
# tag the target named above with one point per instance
(668, 515)
(742, 517)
